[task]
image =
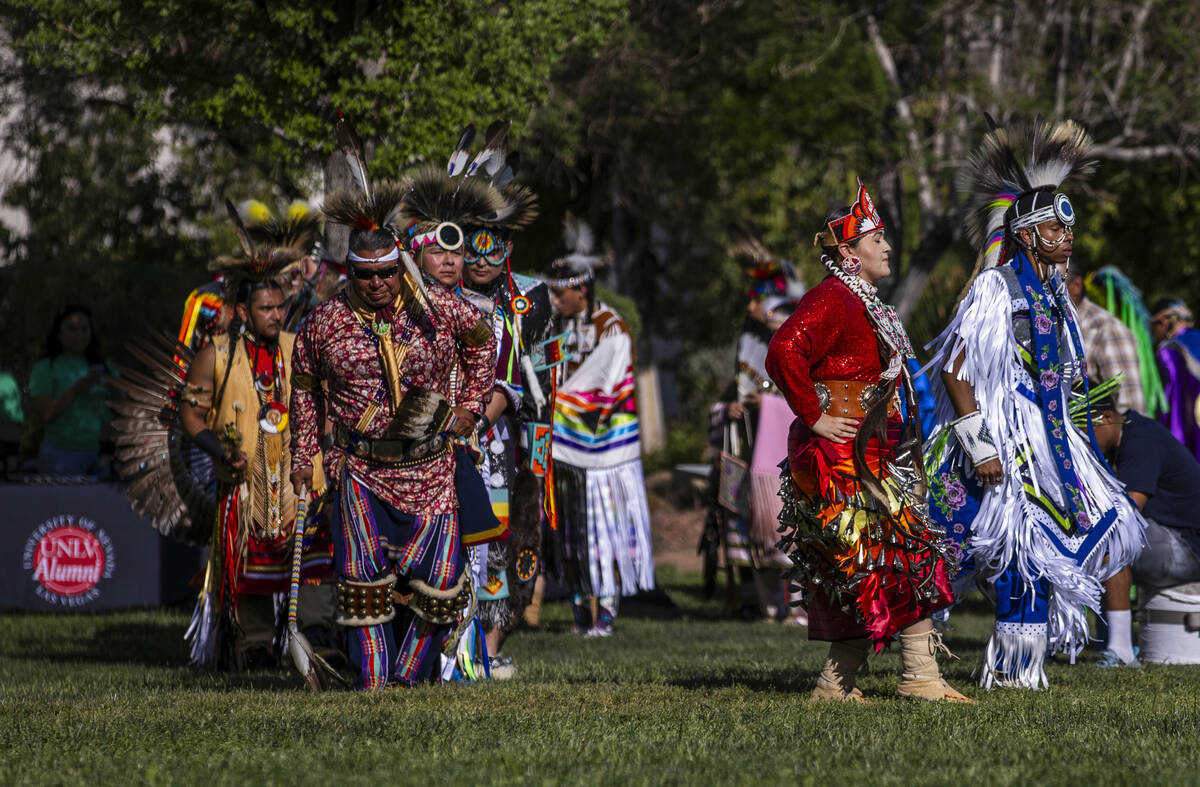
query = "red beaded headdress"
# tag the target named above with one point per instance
(861, 220)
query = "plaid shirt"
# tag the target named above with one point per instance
(1111, 349)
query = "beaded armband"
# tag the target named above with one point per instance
(197, 396)
(972, 434)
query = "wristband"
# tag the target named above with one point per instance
(208, 442)
(972, 434)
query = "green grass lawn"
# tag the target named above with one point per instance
(677, 696)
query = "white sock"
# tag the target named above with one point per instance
(1119, 633)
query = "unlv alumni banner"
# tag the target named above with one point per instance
(75, 547)
(68, 556)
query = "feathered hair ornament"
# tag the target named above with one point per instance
(360, 210)
(495, 165)
(435, 206)
(770, 277)
(1003, 194)
(258, 261)
(580, 263)
(371, 206)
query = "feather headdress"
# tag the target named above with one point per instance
(432, 197)
(580, 263)
(519, 211)
(495, 165)
(1001, 190)
(361, 210)
(371, 206)
(258, 261)
(770, 276)
(297, 227)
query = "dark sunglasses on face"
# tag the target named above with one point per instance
(363, 274)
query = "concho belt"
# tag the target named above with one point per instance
(849, 398)
(391, 453)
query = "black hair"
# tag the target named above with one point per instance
(244, 293)
(1162, 304)
(561, 269)
(246, 289)
(54, 346)
(784, 309)
(370, 240)
(1104, 404)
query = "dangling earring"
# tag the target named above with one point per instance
(852, 265)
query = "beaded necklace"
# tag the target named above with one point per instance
(887, 323)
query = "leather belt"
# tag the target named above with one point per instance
(850, 398)
(391, 453)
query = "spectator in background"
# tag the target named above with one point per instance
(68, 395)
(1178, 350)
(12, 420)
(754, 419)
(1163, 478)
(1110, 347)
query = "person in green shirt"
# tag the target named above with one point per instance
(68, 394)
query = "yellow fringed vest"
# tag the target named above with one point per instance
(265, 497)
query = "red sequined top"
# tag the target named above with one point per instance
(828, 337)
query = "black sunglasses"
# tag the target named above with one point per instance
(364, 274)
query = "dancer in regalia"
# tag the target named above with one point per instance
(1040, 515)
(1178, 352)
(601, 503)
(872, 565)
(234, 409)
(753, 420)
(379, 362)
(502, 586)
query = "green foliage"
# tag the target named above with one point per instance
(660, 122)
(268, 77)
(247, 93)
(677, 696)
(625, 306)
(108, 229)
(686, 443)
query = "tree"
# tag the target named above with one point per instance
(139, 118)
(1124, 68)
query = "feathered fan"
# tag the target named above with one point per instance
(171, 481)
(297, 227)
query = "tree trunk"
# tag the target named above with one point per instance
(337, 236)
(934, 242)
